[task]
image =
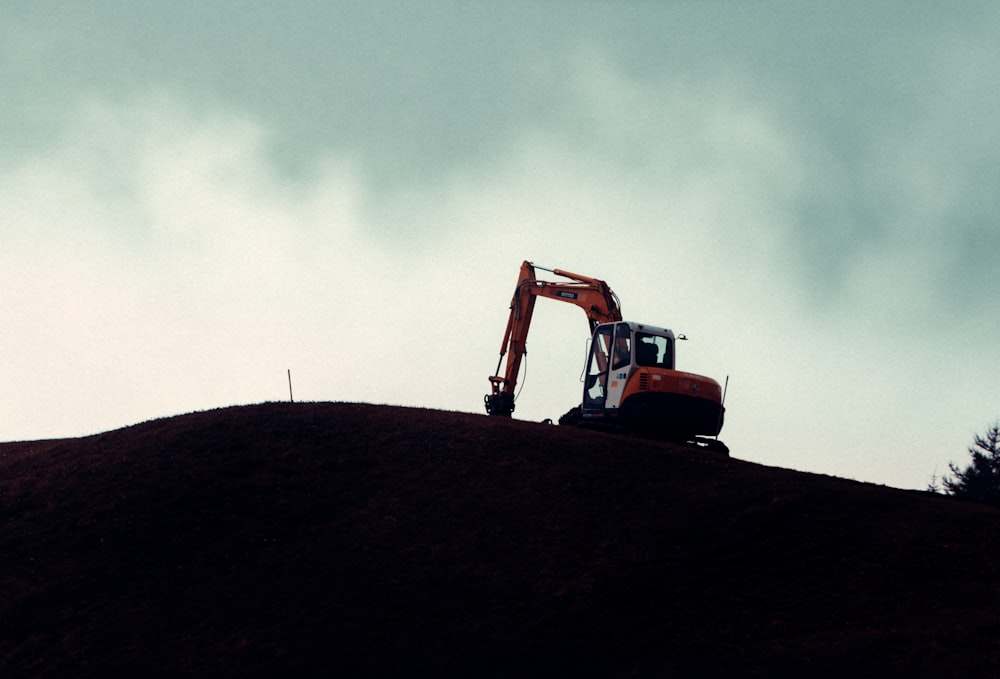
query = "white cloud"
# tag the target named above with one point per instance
(160, 266)
(171, 268)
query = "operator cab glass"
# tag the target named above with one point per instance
(623, 346)
(654, 351)
(595, 386)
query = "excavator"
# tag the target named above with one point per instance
(630, 381)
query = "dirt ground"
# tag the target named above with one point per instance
(324, 539)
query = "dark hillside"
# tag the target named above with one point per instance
(322, 539)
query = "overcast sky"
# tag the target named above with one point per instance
(196, 197)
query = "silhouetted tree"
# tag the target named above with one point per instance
(980, 480)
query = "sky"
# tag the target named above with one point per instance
(197, 198)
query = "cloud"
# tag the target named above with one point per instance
(159, 265)
(164, 264)
(896, 203)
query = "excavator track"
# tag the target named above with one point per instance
(573, 418)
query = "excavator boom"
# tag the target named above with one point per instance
(595, 297)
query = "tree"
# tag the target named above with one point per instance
(979, 481)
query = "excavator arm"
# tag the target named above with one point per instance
(597, 300)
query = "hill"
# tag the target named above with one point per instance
(313, 539)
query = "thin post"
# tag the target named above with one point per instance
(290, 397)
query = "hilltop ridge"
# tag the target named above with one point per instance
(310, 538)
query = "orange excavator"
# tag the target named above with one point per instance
(630, 382)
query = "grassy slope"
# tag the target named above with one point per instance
(373, 539)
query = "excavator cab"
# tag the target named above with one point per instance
(617, 351)
(631, 380)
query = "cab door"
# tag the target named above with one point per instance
(608, 369)
(621, 366)
(595, 383)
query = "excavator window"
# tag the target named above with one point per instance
(655, 351)
(623, 346)
(595, 388)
